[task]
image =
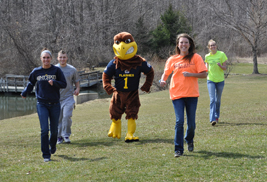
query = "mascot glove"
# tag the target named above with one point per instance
(146, 88)
(110, 89)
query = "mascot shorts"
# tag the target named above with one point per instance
(127, 102)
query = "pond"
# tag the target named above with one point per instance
(13, 105)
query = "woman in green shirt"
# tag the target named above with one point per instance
(216, 64)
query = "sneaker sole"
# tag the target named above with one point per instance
(47, 160)
(213, 123)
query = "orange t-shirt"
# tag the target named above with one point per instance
(184, 86)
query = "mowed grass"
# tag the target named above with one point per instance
(233, 150)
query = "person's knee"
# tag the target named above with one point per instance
(179, 124)
(44, 131)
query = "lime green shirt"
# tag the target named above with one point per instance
(215, 73)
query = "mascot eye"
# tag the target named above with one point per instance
(128, 41)
(117, 42)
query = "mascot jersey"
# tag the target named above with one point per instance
(126, 80)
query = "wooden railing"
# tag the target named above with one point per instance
(17, 83)
(13, 83)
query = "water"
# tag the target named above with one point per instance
(13, 105)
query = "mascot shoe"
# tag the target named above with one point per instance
(115, 129)
(131, 129)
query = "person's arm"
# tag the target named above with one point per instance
(77, 90)
(163, 80)
(28, 89)
(149, 80)
(60, 81)
(197, 75)
(223, 67)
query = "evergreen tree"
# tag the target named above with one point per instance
(173, 23)
(142, 36)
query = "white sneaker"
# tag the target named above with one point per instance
(59, 140)
(46, 159)
(67, 139)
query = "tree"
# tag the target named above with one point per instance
(173, 23)
(247, 17)
(141, 36)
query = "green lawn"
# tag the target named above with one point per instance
(233, 150)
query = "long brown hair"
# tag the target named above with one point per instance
(192, 48)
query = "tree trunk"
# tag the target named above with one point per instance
(255, 62)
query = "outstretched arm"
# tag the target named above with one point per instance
(107, 84)
(163, 80)
(149, 80)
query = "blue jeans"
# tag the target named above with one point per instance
(215, 93)
(190, 105)
(49, 111)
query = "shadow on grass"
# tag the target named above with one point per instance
(112, 141)
(239, 124)
(208, 154)
(159, 140)
(88, 143)
(74, 159)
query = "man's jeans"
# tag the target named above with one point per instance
(215, 93)
(49, 111)
(190, 105)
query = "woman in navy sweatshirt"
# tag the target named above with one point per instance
(47, 80)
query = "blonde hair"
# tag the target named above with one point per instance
(210, 41)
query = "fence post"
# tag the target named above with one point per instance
(6, 84)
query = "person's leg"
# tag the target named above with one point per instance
(116, 109)
(54, 112)
(59, 135)
(211, 89)
(132, 103)
(43, 114)
(178, 105)
(191, 107)
(67, 114)
(218, 95)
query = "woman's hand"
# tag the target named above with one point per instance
(50, 82)
(162, 83)
(187, 74)
(224, 66)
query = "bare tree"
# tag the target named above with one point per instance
(247, 17)
(85, 29)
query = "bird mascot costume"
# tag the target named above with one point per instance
(125, 68)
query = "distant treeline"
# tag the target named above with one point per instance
(85, 29)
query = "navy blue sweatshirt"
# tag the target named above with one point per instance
(44, 92)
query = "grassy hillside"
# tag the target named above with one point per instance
(233, 150)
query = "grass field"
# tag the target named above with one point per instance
(233, 150)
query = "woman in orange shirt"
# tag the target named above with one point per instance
(186, 66)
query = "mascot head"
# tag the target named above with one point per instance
(124, 46)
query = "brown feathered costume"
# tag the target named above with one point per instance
(126, 69)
